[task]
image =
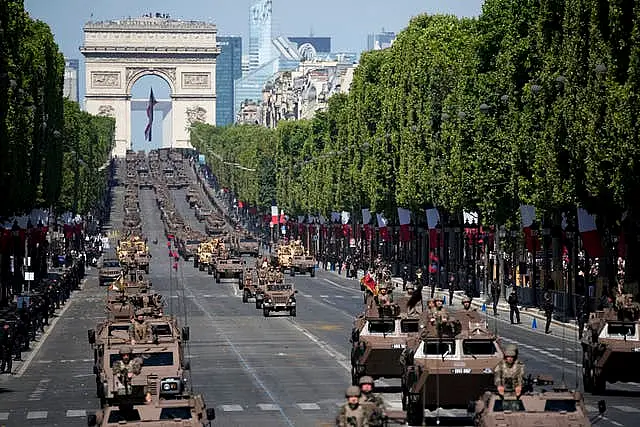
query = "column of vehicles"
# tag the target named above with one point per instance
(139, 363)
(447, 360)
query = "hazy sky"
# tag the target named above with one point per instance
(347, 22)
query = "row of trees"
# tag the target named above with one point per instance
(39, 134)
(534, 102)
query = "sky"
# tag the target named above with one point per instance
(347, 22)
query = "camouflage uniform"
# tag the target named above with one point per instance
(353, 415)
(122, 369)
(373, 403)
(140, 331)
(509, 375)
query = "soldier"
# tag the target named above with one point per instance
(352, 414)
(372, 401)
(466, 303)
(513, 306)
(7, 342)
(580, 314)
(509, 373)
(139, 331)
(495, 295)
(548, 311)
(384, 298)
(125, 369)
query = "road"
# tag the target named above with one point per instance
(276, 371)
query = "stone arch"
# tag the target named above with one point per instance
(166, 74)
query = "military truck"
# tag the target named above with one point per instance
(203, 260)
(452, 365)
(378, 339)
(611, 344)
(557, 407)
(188, 410)
(247, 245)
(249, 286)
(202, 213)
(188, 243)
(279, 297)
(110, 271)
(228, 268)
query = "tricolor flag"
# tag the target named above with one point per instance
(527, 217)
(152, 104)
(404, 217)
(366, 219)
(589, 234)
(433, 219)
(382, 227)
(274, 214)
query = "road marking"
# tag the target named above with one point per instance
(338, 296)
(36, 415)
(339, 357)
(308, 406)
(624, 408)
(232, 408)
(76, 413)
(4, 416)
(324, 296)
(615, 423)
(543, 352)
(269, 406)
(356, 296)
(339, 286)
(306, 295)
(590, 408)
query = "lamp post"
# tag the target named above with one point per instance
(534, 267)
(546, 234)
(502, 234)
(572, 235)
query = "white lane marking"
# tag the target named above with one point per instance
(308, 406)
(543, 352)
(590, 408)
(76, 413)
(324, 296)
(624, 408)
(335, 354)
(338, 296)
(356, 296)
(306, 295)
(342, 287)
(269, 407)
(615, 423)
(232, 408)
(4, 416)
(44, 336)
(36, 415)
(554, 349)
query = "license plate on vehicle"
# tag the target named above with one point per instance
(461, 371)
(398, 346)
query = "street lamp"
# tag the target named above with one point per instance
(502, 234)
(572, 235)
(546, 233)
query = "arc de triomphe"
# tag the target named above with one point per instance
(117, 53)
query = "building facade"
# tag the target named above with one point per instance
(311, 48)
(228, 70)
(379, 41)
(260, 47)
(71, 70)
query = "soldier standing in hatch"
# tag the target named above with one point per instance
(548, 311)
(352, 414)
(126, 368)
(509, 373)
(466, 304)
(372, 401)
(513, 306)
(139, 331)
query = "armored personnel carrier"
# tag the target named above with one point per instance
(556, 407)
(611, 344)
(204, 256)
(247, 245)
(214, 226)
(188, 242)
(110, 270)
(249, 285)
(452, 365)
(378, 338)
(228, 267)
(279, 297)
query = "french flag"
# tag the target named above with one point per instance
(150, 106)
(404, 217)
(528, 216)
(366, 219)
(274, 214)
(433, 219)
(589, 233)
(382, 227)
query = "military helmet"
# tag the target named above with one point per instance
(410, 285)
(366, 380)
(511, 350)
(466, 299)
(352, 391)
(126, 350)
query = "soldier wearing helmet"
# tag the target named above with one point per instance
(509, 373)
(466, 303)
(139, 330)
(372, 401)
(125, 369)
(352, 414)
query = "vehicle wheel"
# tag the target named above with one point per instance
(217, 277)
(415, 412)
(292, 272)
(245, 296)
(312, 272)
(201, 267)
(195, 262)
(258, 304)
(210, 270)
(292, 312)
(587, 374)
(265, 312)
(146, 269)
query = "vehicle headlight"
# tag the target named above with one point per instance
(171, 386)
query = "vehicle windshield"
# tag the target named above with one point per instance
(382, 326)
(563, 405)
(439, 347)
(621, 329)
(501, 405)
(478, 347)
(118, 328)
(193, 242)
(276, 288)
(161, 330)
(120, 415)
(248, 240)
(409, 326)
(111, 263)
(148, 359)
(182, 413)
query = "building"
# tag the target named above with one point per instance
(260, 47)
(71, 89)
(228, 70)
(379, 41)
(245, 65)
(311, 48)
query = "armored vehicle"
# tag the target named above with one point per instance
(227, 268)
(249, 285)
(378, 339)
(204, 256)
(611, 344)
(247, 245)
(188, 243)
(279, 297)
(452, 365)
(214, 226)
(202, 213)
(557, 407)
(110, 271)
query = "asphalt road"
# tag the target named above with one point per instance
(276, 371)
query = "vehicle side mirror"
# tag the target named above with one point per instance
(185, 333)
(602, 407)
(92, 420)
(211, 414)
(91, 334)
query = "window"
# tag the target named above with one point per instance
(560, 406)
(478, 347)
(248, 240)
(275, 288)
(161, 330)
(182, 413)
(621, 329)
(131, 414)
(439, 347)
(409, 326)
(148, 359)
(193, 242)
(118, 328)
(501, 405)
(382, 326)
(111, 263)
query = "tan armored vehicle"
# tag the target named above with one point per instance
(249, 285)
(557, 407)
(611, 344)
(301, 261)
(279, 297)
(110, 271)
(202, 214)
(214, 226)
(452, 365)
(188, 243)
(228, 267)
(378, 339)
(203, 258)
(247, 245)
(188, 410)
